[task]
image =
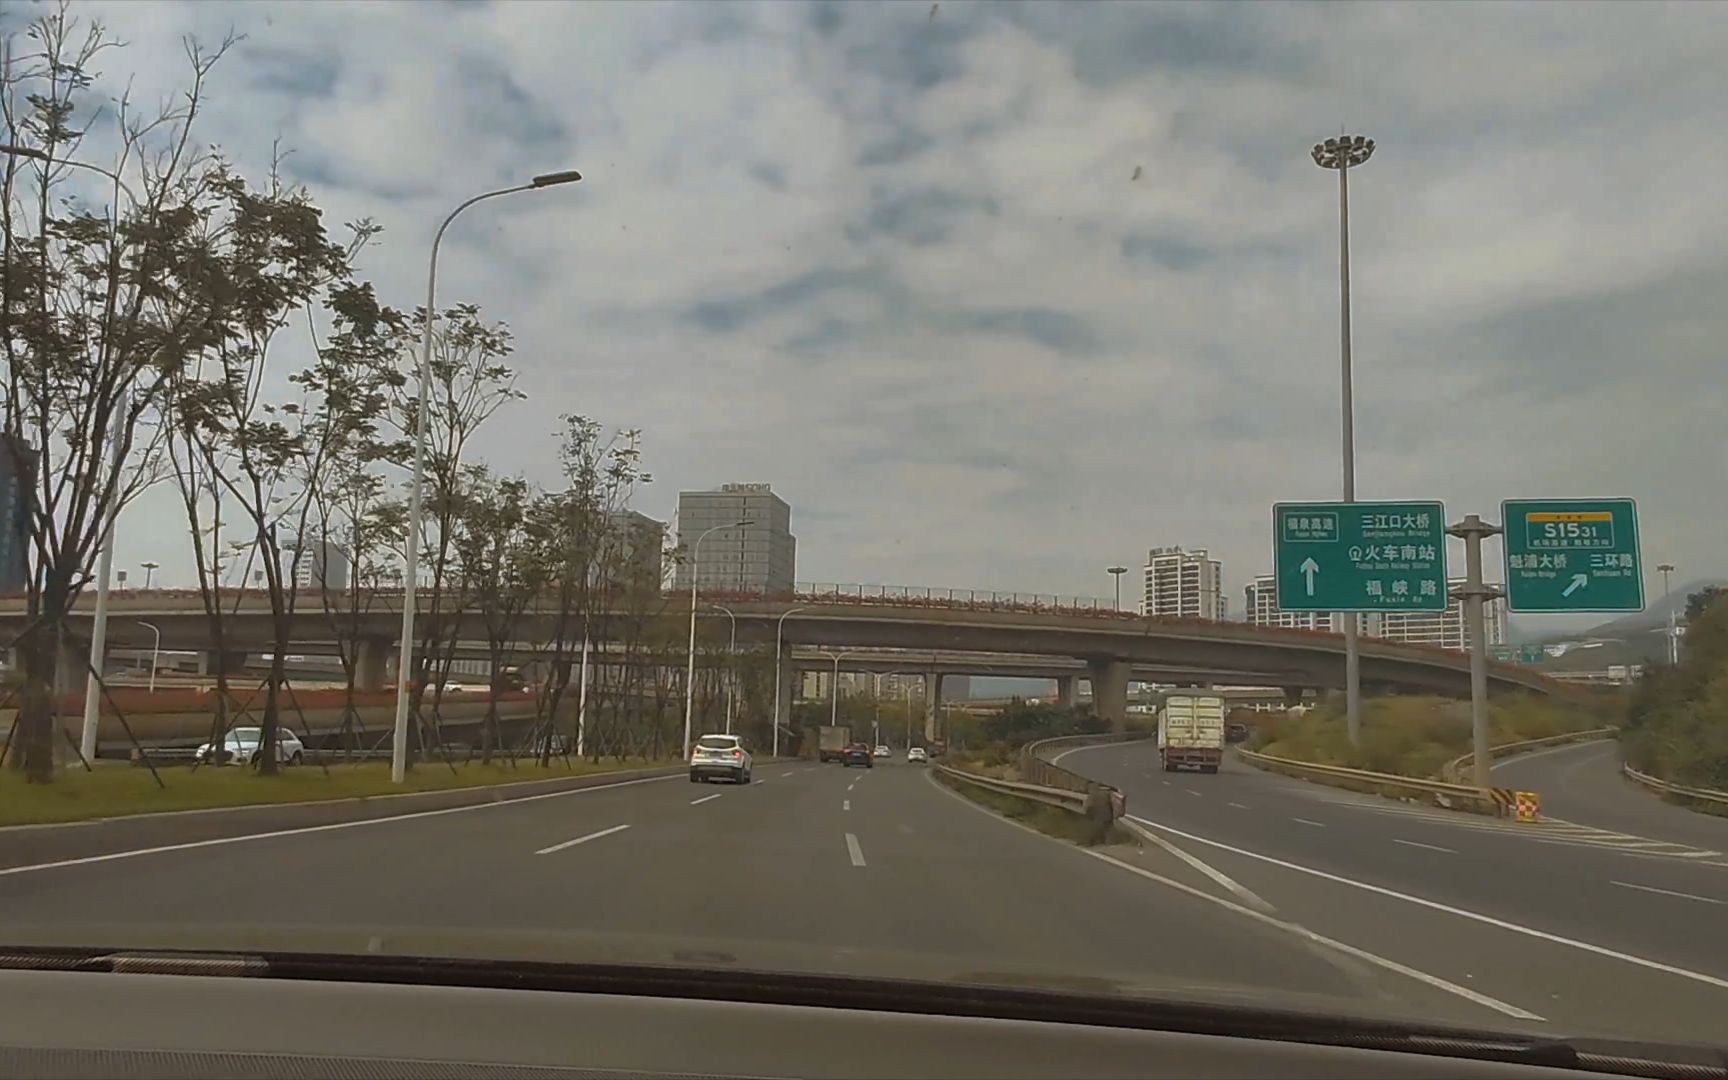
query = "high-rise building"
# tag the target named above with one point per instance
(760, 557)
(1444, 629)
(319, 564)
(17, 500)
(1185, 584)
(640, 548)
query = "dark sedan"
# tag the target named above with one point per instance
(857, 754)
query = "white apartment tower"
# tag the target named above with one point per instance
(1183, 584)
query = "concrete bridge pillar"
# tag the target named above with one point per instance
(932, 704)
(1068, 691)
(372, 664)
(1292, 696)
(1110, 690)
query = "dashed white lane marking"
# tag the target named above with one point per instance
(1192, 792)
(1668, 892)
(1305, 821)
(1239, 806)
(581, 839)
(854, 850)
(1425, 847)
(845, 804)
(706, 798)
(787, 773)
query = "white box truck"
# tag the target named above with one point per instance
(1191, 732)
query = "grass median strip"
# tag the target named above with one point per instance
(116, 791)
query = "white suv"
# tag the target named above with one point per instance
(720, 755)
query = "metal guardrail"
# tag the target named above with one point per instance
(1037, 767)
(1453, 771)
(1663, 787)
(1060, 798)
(1436, 792)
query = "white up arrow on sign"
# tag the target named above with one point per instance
(1309, 568)
(1578, 582)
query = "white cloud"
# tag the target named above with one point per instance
(900, 267)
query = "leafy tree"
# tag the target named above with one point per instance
(470, 383)
(276, 264)
(101, 308)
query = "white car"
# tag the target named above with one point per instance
(917, 754)
(719, 755)
(242, 745)
(882, 751)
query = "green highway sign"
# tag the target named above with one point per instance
(1572, 555)
(1384, 556)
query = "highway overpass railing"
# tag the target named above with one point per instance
(1679, 791)
(1440, 793)
(1458, 768)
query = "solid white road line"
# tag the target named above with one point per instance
(854, 850)
(1426, 847)
(1305, 821)
(1248, 895)
(1300, 931)
(706, 798)
(1319, 939)
(581, 839)
(217, 841)
(845, 804)
(1668, 892)
(1463, 913)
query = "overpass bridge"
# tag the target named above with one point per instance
(1108, 648)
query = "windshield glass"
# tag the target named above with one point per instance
(1212, 502)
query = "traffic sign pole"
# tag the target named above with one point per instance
(1474, 595)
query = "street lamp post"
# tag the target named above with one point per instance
(834, 688)
(155, 650)
(149, 573)
(411, 550)
(1343, 154)
(1667, 602)
(731, 663)
(690, 668)
(1117, 572)
(779, 683)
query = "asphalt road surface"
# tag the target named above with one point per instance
(1593, 928)
(883, 872)
(1582, 783)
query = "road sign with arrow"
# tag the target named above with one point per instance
(1384, 556)
(1572, 555)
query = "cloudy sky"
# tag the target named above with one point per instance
(999, 295)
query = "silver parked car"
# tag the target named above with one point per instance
(720, 755)
(242, 745)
